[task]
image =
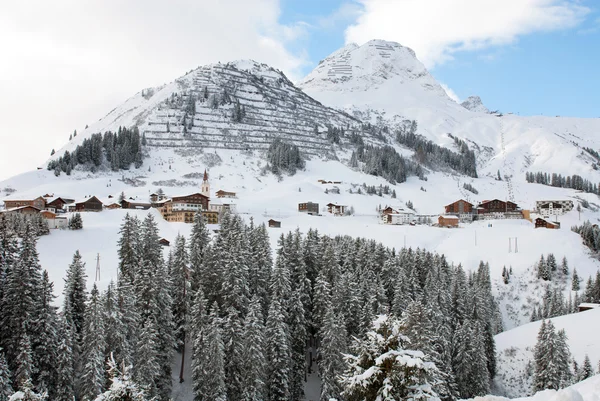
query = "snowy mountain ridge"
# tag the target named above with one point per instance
(474, 103)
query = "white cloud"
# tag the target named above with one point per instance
(450, 92)
(436, 29)
(67, 63)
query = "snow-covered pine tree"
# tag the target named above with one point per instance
(147, 368)
(76, 222)
(564, 267)
(575, 281)
(28, 394)
(331, 350)
(75, 294)
(382, 367)
(551, 359)
(298, 336)
(20, 299)
(260, 264)
(128, 249)
(586, 369)
(209, 369)
(5, 382)
(65, 382)
(122, 387)
(278, 354)
(25, 367)
(44, 340)
(234, 354)
(199, 241)
(115, 328)
(181, 295)
(93, 348)
(254, 368)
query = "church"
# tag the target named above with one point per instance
(184, 208)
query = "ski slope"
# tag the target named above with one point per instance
(515, 349)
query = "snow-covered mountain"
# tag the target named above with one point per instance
(384, 83)
(474, 103)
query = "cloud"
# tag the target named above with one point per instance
(450, 92)
(65, 64)
(436, 29)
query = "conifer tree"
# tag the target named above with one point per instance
(181, 276)
(122, 387)
(209, 371)
(254, 368)
(128, 249)
(93, 347)
(298, 336)
(234, 362)
(278, 354)
(586, 369)
(27, 394)
(147, 368)
(5, 382)
(575, 281)
(332, 347)
(64, 390)
(45, 337)
(382, 367)
(25, 367)
(199, 241)
(75, 294)
(118, 342)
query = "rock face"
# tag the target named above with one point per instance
(474, 103)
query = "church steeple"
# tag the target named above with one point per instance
(205, 188)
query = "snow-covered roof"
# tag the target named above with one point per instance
(589, 305)
(450, 217)
(14, 209)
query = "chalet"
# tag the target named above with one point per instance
(448, 221)
(112, 205)
(549, 208)
(459, 207)
(496, 206)
(46, 214)
(184, 208)
(388, 210)
(210, 217)
(23, 210)
(221, 206)
(91, 204)
(38, 202)
(274, 223)
(308, 207)
(164, 242)
(542, 223)
(587, 306)
(128, 204)
(397, 217)
(157, 197)
(59, 203)
(225, 194)
(337, 210)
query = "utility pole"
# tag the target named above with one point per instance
(97, 268)
(475, 237)
(516, 246)
(509, 244)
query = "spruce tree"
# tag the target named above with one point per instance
(5, 382)
(75, 294)
(181, 296)
(128, 249)
(25, 367)
(122, 387)
(278, 354)
(331, 349)
(234, 353)
(199, 241)
(209, 371)
(254, 368)
(65, 384)
(575, 281)
(93, 348)
(147, 368)
(586, 369)
(118, 342)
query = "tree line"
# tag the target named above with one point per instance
(116, 151)
(284, 157)
(562, 181)
(247, 318)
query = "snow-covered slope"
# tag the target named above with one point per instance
(199, 110)
(383, 82)
(515, 349)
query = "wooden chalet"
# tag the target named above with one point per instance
(459, 207)
(113, 205)
(164, 242)
(542, 223)
(337, 210)
(448, 221)
(225, 194)
(308, 207)
(59, 203)
(23, 210)
(38, 202)
(388, 210)
(91, 204)
(496, 206)
(128, 204)
(47, 214)
(274, 223)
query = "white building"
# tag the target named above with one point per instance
(221, 205)
(398, 217)
(549, 208)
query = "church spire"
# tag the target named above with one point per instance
(205, 175)
(205, 188)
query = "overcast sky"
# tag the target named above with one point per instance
(66, 63)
